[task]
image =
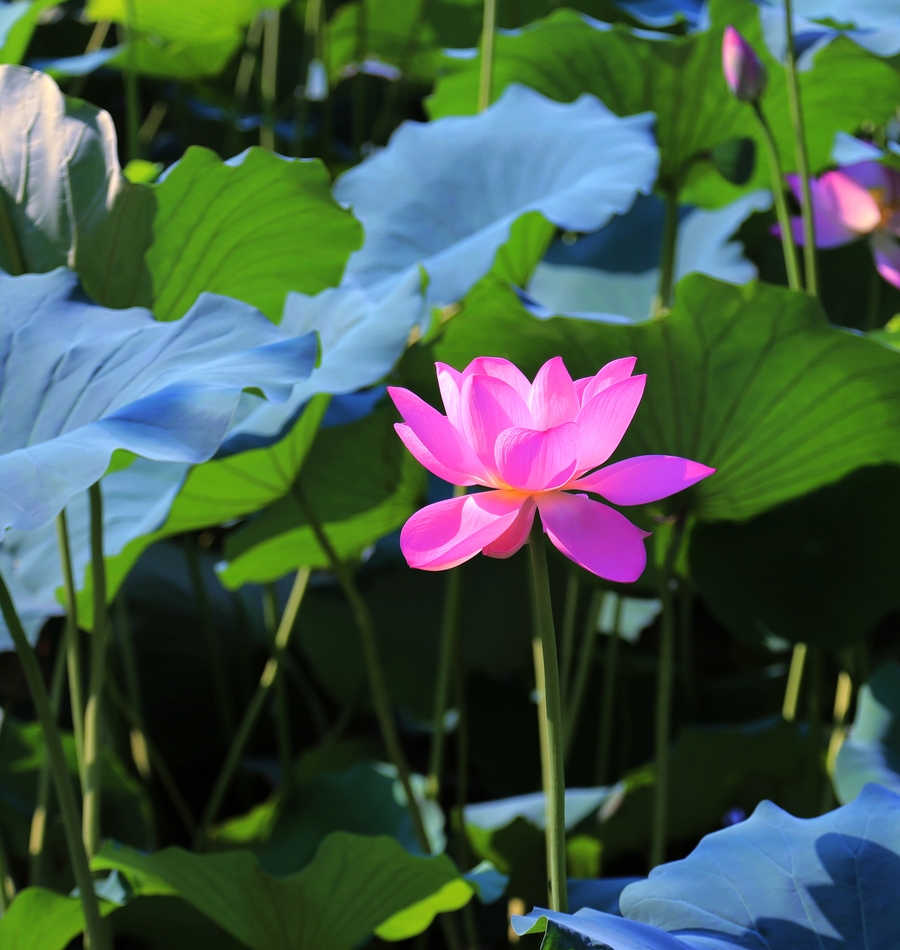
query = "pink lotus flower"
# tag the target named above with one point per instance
(852, 202)
(744, 70)
(533, 444)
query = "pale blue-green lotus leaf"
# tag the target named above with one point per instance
(580, 803)
(871, 752)
(78, 381)
(361, 339)
(620, 278)
(443, 194)
(873, 24)
(659, 13)
(772, 882)
(136, 500)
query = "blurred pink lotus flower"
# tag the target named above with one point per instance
(533, 444)
(744, 70)
(854, 201)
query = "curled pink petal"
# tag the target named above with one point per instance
(435, 433)
(423, 456)
(594, 536)
(886, 252)
(643, 479)
(602, 421)
(515, 535)
(613, 372)
(450, 383)
(534, 460)
(490, 405)
(500, 368)
(449, 532)
(553, 398)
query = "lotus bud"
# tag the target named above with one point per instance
(744, 70)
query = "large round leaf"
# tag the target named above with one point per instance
(752, 380)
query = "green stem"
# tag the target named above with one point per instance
(788, 248)
(269, 78)
(796, 110)
(216, 664)
(255, 707)
(42, 796)
(92, 714)
(377, 685)
(607, 698)
(308, 693)
(7, 881)
(664, 683)
(132, 97)
(487, 54)
(795, 678)
(138, 737)
(583, 672)
(446, 662)
(556, 790)
(73, 641)
(663, 300)
(873, 306)
(309, 52)
(567, 639)
(97, 936)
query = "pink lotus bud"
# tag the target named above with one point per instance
(744, 71)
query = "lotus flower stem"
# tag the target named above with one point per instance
(42, 795)
(446, 663)
(788, 248)
(268, 77)
(380, 696)
(607, 698)
(72, 640)
(567, 637)
(95, 928)
(138, 736)
(583, 671)
(217, 667)
(796, 110)
(669, 250)
(556, 785)
(664, 683)
(132, 96)
(360, 87)
(814, 710)
(487, 54)
(254, 708)
(7, 882)
(93, 722)
(795, 677)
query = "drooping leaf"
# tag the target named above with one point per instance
(359, 482)
(353, 885)
(681, 81)
(216, 492)
(162, 391)
(429, 198)
(871, 751)
(751, 380)
(64, 197)
(298, 238)
(771, 881)
(766, 578)
(135, 502)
